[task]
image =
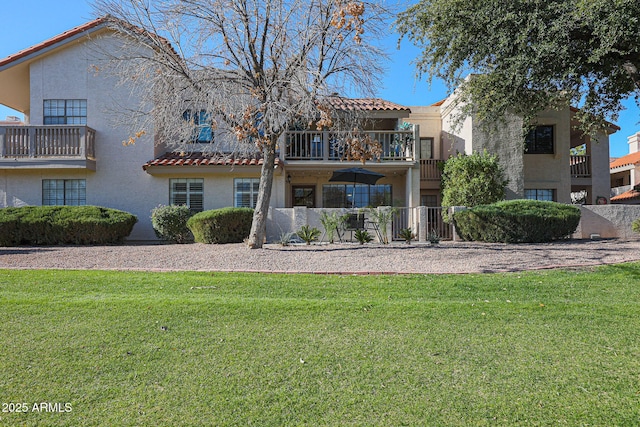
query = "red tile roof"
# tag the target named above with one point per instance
(629, 159)
(52, 41)
(365, 104)
(627, 195)
(204, 159)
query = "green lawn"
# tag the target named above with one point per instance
(166, 349)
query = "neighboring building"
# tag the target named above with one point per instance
(542, 168)
(68, 151)
(625, 174)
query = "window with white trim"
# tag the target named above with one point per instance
(201, 120)
(188, 192)
(246, 192)
(72, 192)
(540, 194)
(65, 112)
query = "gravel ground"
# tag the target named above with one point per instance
(446, 257)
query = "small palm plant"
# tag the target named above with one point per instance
(332, 222)
(382, 218)
(308, 234)
(433, 237)
(407, 235)
(363, 236)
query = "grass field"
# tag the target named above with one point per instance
(88, 348)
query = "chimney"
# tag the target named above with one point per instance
(634, 143)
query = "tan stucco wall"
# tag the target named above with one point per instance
(552, 171)
(608, 221)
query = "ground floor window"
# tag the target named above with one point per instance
(540, 194)
(358, 195)
(187, 191)
(72, 192)
(246, 192)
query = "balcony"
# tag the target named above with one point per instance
(23, 147)
(395, 145)
(430, 170)
(580, 166)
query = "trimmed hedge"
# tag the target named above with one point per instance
(517, 221)
(170, 223)
(61, 225)
(226, 225)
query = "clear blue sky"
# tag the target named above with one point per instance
(28, 22)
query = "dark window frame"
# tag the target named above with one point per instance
(540, 140)
(540, 194)
(70, 192)
(360, 191)
(64, 112)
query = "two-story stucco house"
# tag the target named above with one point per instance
(69, 151)
(542, 167)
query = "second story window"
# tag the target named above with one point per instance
(539, 140)
(65, 112)
(201, 120)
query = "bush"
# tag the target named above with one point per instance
(472, 180)
(635, 225)
(308, 234)
(226, 225)
(170, 223)
(517, 221)
(59, 225)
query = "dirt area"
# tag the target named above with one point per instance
(345, 258)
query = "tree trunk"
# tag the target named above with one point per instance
(259, 223)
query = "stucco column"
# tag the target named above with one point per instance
(422, 223)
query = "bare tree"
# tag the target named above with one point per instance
(254, 66)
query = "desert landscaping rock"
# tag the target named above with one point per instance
(345, 258)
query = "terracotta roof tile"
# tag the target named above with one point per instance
(627, 195)
(52, 41)
(629, 159)
(204, 159)
(365, 104)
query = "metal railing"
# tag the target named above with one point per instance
(47, 141)
(435, 225)
(315, 145)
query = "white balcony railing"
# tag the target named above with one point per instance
(17, 142)
(616, 191)
(316, 145)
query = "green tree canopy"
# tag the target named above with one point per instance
(472, 180)
(529, 55)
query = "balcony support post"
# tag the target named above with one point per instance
(83, 142)
(325, 145)
(32, 143)
(3, 137)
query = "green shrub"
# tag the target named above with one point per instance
(226, 225)
(407, 235)
(170, 223)
(59, 225)
(635, 225)
(308, 234)
(363, 236)
(472, 180)
(517, 221)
